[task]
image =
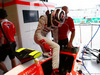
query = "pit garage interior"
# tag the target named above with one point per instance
(87, 32)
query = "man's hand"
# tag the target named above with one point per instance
(69, 46)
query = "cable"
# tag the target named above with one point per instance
(45, 5)
(8, 42)
(86, 47)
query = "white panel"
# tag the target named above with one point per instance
(27, 30)
(20, 68)
(84, 33)
(96, 39)
(77, 41)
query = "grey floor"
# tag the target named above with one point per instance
(90, 62)
(92, 67)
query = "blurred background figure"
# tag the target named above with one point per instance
(9, 30)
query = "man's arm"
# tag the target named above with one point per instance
(55, 35)
(71, 39)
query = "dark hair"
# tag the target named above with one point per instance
(3, 13)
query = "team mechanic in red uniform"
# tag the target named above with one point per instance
(64, 29)
(63, 41)
(9, 30)
(46, 24)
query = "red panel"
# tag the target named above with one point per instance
(22, 2)
(38, 4)
(0, 4)
(25, 3)
(8, 3)
(35, 69)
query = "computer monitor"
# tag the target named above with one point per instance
(30, 16)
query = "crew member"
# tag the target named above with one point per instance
(48, 23)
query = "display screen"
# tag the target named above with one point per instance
(30, 16)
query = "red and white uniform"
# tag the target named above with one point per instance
(9, 30)
(67, 26)
(40, 33)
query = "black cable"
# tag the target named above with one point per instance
(89, 50)
(45, 5)
(96, 50)
(8, 42)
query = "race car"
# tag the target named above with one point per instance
(43, 66)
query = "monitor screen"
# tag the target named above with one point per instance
(30, 16)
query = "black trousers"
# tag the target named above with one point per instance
(6, 50)
(63, 43)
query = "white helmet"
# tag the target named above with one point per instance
(57, 17)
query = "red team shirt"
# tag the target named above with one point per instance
(65, 28)
(9, 30)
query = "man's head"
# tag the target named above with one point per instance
(57, 17)
(3, 14)
(65, 8)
